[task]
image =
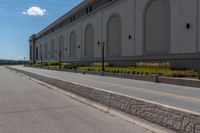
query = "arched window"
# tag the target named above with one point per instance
(157, 27)
(53, 49)
(89, 41)
(73, 45)
(114, 36)
(61, 47)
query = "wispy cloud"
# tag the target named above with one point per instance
(35, 11)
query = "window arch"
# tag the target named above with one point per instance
(157, 27)
(114, 36)
(53, 48)
(61, 46)
(89, 41)
(73, 44)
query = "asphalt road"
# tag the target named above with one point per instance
(178, 96)
(28, 107)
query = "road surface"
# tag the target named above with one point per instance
(178, 96)
(28, 107)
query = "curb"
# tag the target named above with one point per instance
(172, 118)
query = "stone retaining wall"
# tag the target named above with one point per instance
(179, 81)
(152, 78)
(169, 117)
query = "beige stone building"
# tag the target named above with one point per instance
(131, 30)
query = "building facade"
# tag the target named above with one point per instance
(132, 31)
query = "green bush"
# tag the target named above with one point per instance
(45, 64)
(72, 66)
(146, 73)
(180, 73)
(141, 73)
(38, 64)
(198, 75)
(54, 63)
(128, 72)
(121, 71)
(167, 72)
(133, 72)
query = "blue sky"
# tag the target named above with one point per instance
(21, 18)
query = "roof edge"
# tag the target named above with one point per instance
(73, 10)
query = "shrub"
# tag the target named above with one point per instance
(72, 66)
(198, 75)
(38, 64)
(45, 64)
(121, 71)
(167, 72)
(180, 73)
(146, 73)
(153, 64)
(99, 64)
(133, 72)
(114, 71)
(54, 63)
(125, 71)
(128, 72)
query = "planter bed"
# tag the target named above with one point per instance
(151, 78)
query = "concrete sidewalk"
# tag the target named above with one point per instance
(28, 107)
(178, 96)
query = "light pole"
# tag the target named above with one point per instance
(60, 59)
(24, 60)
(103, 56)
(41, 60)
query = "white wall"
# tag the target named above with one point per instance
(95, 20)
(182, 40)
(63, 32)
(76, 27)
(52, 37)
(198, 12)
(182, 12)
(126, 11)
(189, 36)
(139, 11)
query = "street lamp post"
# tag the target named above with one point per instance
(24, 61)
(41, 60)
(60, 59)
(103, 57)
